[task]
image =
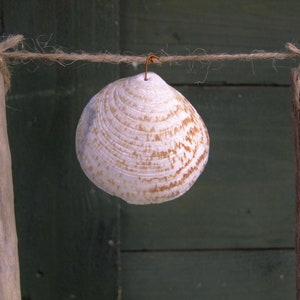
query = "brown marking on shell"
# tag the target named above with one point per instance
(157, 137)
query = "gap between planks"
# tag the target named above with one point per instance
(208, 250)
(224, 85)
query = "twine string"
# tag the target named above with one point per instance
(9, 49)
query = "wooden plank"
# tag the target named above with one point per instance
(191, 27)
(295, 85)
(213, 275)
(69, 230)
(9, 259)
(245, 197)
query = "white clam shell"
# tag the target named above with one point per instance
(142, 140)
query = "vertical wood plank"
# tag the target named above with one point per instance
(295, 84)
(86, 211)
(9, 261)
(68, 229)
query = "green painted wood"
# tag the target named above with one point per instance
(247, 275)
(245, 197)
(196, 27)
(68, 230)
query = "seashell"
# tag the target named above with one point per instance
(142, 140)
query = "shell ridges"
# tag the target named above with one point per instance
(142, 140)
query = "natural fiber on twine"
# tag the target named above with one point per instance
(9, 50)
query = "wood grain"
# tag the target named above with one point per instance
(192, 27)
(68, 230)
(295, 85)
(225, 275)
(9, 260)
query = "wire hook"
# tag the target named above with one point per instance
(150, 59)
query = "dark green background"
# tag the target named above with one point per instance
(232, 235)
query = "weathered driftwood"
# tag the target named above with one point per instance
(296, 128)
(9, 262)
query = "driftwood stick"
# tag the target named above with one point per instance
(9, 261)
(295, 75)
